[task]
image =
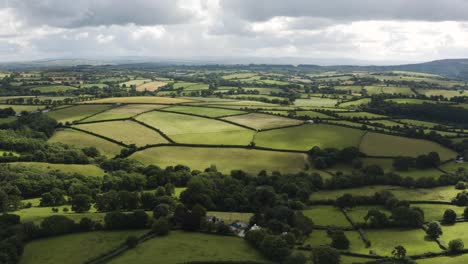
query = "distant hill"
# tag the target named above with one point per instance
(454, 68)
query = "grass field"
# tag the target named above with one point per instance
(355, 102)
(20, 108)
(312, 114)
(92, 85)
(360, 115)
(384, 240)
(82, 140)
(239, 76)
(453, 167)
(326, 216)
(124, 111)
(204, 111)
(307, 136)
(359, 212)
(36, 214)
(376, 144)
(419, 123)
(445, 93)
(53, 88)
(7, 119)
(127, 131)
(180, 247)
(226, 159)
(262, 121)
(457, 259)
(435, 212)
(445, 193)
(459, 230)
(75, 113)
(84, 169)
(316, 102)
(150, 86)
(139, 100)
(230, 217)
(197, 130)
(74, 248)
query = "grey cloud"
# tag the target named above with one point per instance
(351, 10)
(80, 13)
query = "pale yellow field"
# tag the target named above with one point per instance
(139, 100)
(150, 86)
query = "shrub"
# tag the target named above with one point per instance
(449, 216)
(456, 245)
(434, 230)
(131, 241)
(161, 227)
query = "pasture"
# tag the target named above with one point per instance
(84, 169)
(76, 113)
(316, 102)
(84, 140)
(53, 88)
(324, 215)
(125, 111)
(307, 136)
(204, 111)
(127, 132)
(180, 247)
(138, 100)
(73, 248)
(21, 108)
(230, 217)
(262, 121)
(225, 159)
(363, 115)
(197, 130)
(355, 103)
(136, 82)
(376, 144)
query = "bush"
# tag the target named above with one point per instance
(161, 227)
(456, 245)
(460, 185)
(449, 217)
(326, 255)
(434, 230)
(131, 241)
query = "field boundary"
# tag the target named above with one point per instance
(97, 135)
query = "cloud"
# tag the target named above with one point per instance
(81, 13)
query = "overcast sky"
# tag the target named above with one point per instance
(371, 30)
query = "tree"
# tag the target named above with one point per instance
(345, 201)
(297, 258)
(399, 252)
(465, 213)
(450, 217)
(339, 239)
(274, 247)
(325, 255)
(434, 230)
(57, 225)
(456, 245)
(131, 241)
(162, 210)
(81, 203)
(161, 227)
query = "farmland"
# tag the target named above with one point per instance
(262, 121)
(76, 113)
(124, 111)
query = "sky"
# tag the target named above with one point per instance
(367, 30)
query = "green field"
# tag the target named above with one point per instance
(355, 102)
(76, 113)
(197, 130)
(139, 100)
(84, 169)
(180, 247)
(262, 121)
(204, 111)
(376, 144)
(230, 217)
(92, 85)
(384, 240)
(20, 108)
(435, 212)
(225, 159)
(307, 136)
(7, 119)
(445, 193)
(457, 259)
(83, 140)
(439, 92)
(320, 238)
(53, 88)
(360, 115)
(359, 212)
(124, 111)
(36, 214)
(239, 76)
(316, 102)
(127, 131)
(326, 216)
(74, 248)
(453, 167)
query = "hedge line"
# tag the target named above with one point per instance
(97, 135)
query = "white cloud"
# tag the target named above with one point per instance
(104, 39)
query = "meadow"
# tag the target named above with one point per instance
(53, 88)
(21, 108)
(204, 111)
(124, 111)
(85, 169)
(326, 216)
(138, 100)
(262, 121)
(150, 86)
(225, 159)
(76, 113)
(316, 102)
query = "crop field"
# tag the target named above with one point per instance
(76, 113)
(124, 111)
(180, 247)
(150, 86)
(136, 82)
(316, 102)
(139, 100)
(384, 240)
(83, 140)
(225, 159)
(85, 169)
(204, 111)
(307, 136)
(445, 193)
(53, 88)
(386, 145)
(262, 121)
(197, 130)
(74, 248)
(326, 216)
(127, 131)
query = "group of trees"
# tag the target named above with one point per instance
(325, 158)
(6, 112)
(431, 160)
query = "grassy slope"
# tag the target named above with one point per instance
(78, 112)
(128, 132)
(204, 111)
(85, 169)
(262, 121)
(124, 111)
(82, 140)
(386, 145)
(74, 248)
(139, 100)
(225, 159)
(180, 247)
(307, 136)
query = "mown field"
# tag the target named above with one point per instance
(225, 159)
(262, 121)
(127, 132)
(150, 86)
(204, 111)
(77, 112)
(124, 111)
